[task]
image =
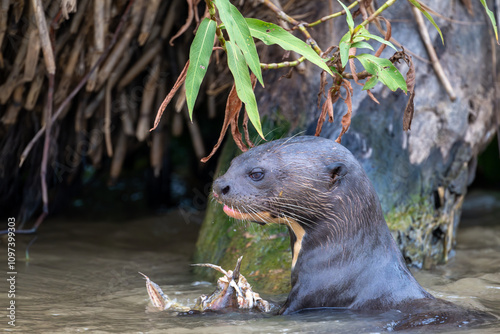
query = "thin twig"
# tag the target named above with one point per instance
(282, 64)
(372, 17)
(107, 120)
(329, 17)
(46, 144)
(297, 25)
(48, 52)
(424, 33)
(218, 32)
(360, 75)
(399, 45)
(281, 14)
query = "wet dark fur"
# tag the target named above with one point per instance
(348, 257)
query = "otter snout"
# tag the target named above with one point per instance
(220, 187)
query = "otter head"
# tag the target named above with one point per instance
(313, 185)
(288, 179)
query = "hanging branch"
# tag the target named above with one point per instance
(50, 117)
(78, 87)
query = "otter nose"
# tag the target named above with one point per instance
(221, 188)
(225, 190)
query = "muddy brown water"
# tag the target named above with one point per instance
(82, 277)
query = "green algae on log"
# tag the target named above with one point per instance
(223, 239)
(426, 235)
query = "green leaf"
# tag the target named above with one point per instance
(491, 16)
(370, 83)
(369, 36)
(243, 83)
(350, 21)
(344, 47)
(199, 58)
(362, 45)
(384, 70)
(239, 33)
(428, 16)
(356, 39)
(272, 34)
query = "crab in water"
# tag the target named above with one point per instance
(232, 292)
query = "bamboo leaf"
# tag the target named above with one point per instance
(272, 34)
(344, 47)
(362, 45)
(349, 19)
(379, 39)
(384, 70)
(370, 83)
(491, 16)
(366, 35)
(199, 58)
(243, 83)
(428, 16)
(239, 33)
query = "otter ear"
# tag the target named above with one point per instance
(337, 170)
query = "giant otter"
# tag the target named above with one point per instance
(343, 254)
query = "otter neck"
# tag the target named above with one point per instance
(340, 274)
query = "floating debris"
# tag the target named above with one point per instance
(160, 300)
(233, 292)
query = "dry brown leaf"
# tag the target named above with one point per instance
(387, 36)
(408, 114)
(370, 94)
(245, 130)
(253, 78)
(322, 85)
(352, 67)
(168, 98)
(186, 25)
(346, 119)
(410, 75)
(410, 84)
(234, 115)
(326, 109)
(233, 107)
(363, 5)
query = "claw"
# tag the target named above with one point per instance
(161, 300)
(213, 266)
(236, 271)
(156, 295)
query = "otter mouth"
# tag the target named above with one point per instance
(244, 216)
(259, 217)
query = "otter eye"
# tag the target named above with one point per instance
(256, 174)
